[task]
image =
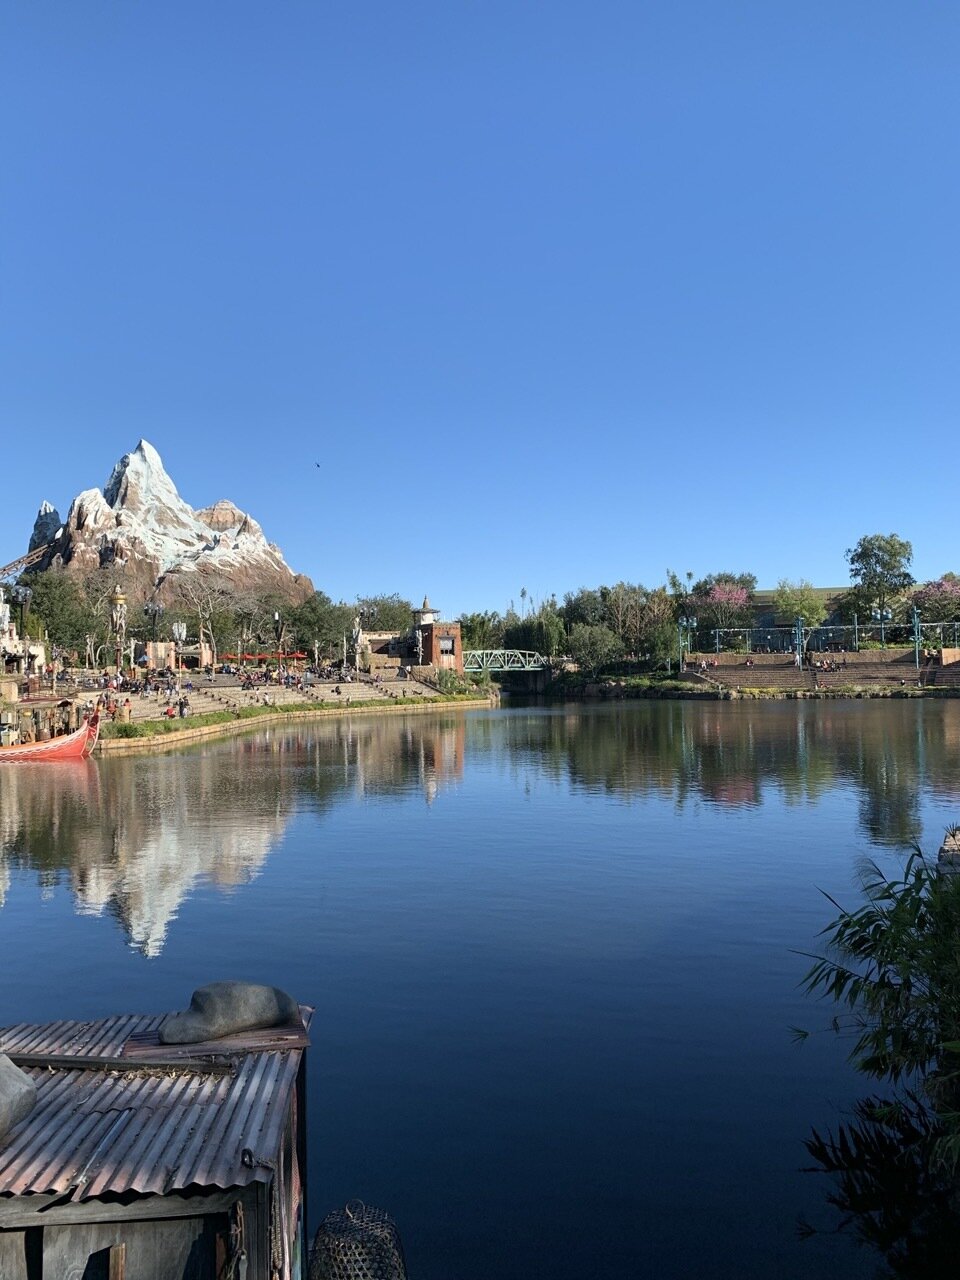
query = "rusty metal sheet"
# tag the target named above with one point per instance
(106, 1131)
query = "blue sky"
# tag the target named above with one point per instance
(556, 293)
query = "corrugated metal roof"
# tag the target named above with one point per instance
(152, 1124)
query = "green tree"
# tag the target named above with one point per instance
(584, 606)
(385, 613)
(318, 621)
(58, 606)
(800, 600)
(879, 566)
(542, 631)
(481, 630)
(652, 627)
(594, 647)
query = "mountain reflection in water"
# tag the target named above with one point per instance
(133, 836)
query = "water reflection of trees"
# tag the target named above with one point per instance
(726, 754)
(889, 1187)
(133, 836)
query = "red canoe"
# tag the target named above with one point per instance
(71, 746)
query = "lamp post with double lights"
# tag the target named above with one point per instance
(22, 596)
(179, 631)
(278, 632)
(153, 611)
(882, 616)
(685, 630)
(916, 636)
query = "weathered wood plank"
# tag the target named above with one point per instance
(13, 1255)
(183, 1249)
(117, 1264)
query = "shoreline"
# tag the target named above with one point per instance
(174, 739)
(248, 724)
(750, 695)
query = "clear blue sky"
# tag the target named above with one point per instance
(556, 293)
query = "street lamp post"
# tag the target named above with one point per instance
(22, 597)
(798, 626)
(278, 632)
(685, 631)
(153, 610)
(916, 636)
(882, 616)
(179, 630)
(118, 618)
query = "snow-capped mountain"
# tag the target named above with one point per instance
(140, 523)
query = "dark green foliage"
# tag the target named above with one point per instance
(593, 648)
(879, 568)
(58, 605)
(542, 632)
(385, 613)
(894, 966)
(584, 606)
(481, 630)
(893, 970)
(319, 621)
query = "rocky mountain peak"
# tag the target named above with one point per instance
(46, 526)
(140, 523)
(139, 483)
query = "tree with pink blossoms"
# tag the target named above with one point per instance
(724, 599)
(938, 601)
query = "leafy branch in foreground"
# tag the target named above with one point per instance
(894, 966)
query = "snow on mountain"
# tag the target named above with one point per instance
(141, 523)
(46, 527)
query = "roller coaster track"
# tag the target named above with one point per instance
(24, 562)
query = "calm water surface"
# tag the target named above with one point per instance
(552, 954)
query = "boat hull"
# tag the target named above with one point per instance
(72, 746)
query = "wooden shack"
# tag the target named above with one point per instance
(144, 1161)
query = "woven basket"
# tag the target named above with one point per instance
(357, 1242)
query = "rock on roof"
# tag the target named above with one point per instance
(135, 1115)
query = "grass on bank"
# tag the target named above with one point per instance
(575, 681)
(159, 728)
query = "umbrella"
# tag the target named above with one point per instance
(249, 657)
(296, 655)
(228, 655)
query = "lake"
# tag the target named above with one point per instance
(553, 954)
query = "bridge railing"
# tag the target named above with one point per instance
(503, 660)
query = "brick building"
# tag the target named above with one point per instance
(428, 646)
(442, 647)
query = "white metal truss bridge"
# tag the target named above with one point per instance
(503, 660)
